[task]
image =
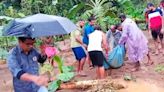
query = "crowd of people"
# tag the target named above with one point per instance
(89, 43)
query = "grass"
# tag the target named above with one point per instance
(159, 68)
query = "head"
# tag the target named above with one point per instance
(119, 27)
(26, 43)
(48, 39)
(113, 28)
(81, 23)
(162, 3)
(97, 27)
(150, 6)
(122, 17)
(92, 20)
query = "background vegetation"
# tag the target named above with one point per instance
(106, 12)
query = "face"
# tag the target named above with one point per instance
(122, 19)
(150, 8)
(27, 45)
(49, 39)
(119, 28)
(81, 23)
(113, 28)
(92, 22)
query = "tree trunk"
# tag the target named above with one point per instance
(91, 83)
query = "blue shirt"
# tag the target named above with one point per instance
(19, 61)
(87, 30)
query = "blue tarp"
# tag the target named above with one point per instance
(115, 57)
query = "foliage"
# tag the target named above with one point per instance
(46, 68)
(3, 53)
(106, 12)
(67, 68)
(159, 68)
(53, 86)
(65, 77)
(59, 62)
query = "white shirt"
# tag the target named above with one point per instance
(95, 41)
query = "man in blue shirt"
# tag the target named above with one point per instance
(23, 64)
(88, 29)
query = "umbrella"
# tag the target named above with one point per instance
(39, 25)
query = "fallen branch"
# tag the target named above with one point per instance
(91, 83)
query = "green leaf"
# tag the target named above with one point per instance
(46, 68)
(53, 86)
(65, 77)
(59, 62)
(73, 11)
(21, 14)
(67, 68)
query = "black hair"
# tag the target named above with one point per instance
(162, 1)
(122, 16)
(97, 27)
(23, 39)
(150, 5)
(91, 18)
(117, 25)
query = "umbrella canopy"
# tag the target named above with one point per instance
(39, 25)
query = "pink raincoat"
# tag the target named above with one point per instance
(135, 39)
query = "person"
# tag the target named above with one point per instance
(113, 35)
(135, 40)
(23, 63)
(110, 38)
(97, 39)
(117, 34)
(48, 40)
(78, 50)
(47, 44)
(155, 25)
(161, 6)
(89, 28)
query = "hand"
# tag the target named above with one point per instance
(41, 80)
(149, 31)
(85, 46)
(162, 31)
(42, 49)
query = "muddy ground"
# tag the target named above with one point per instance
(147, 79)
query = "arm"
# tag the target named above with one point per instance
(38, 80)
(42, 57)
(124, 36)
(160, 11)
(108, 36)
(77, 37)
(105, 45)
(19, 73)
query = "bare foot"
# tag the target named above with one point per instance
(149, 63)
(91, 67)
(135, 69)
(82, 74)
(157, 52)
